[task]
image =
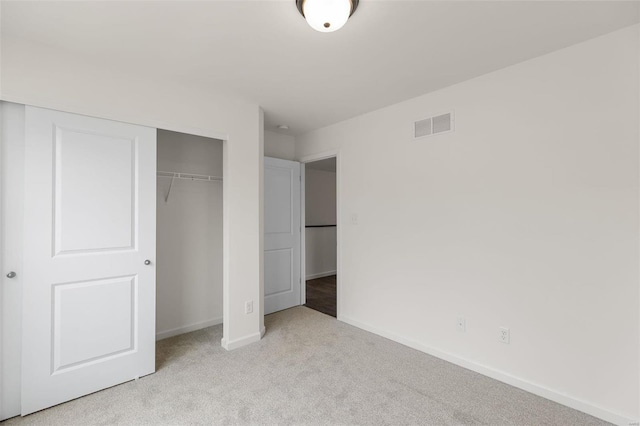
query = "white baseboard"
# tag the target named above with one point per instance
(320, 275)
(550, 394)
(243, 341)
(187, 328)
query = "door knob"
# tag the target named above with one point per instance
(11, 274)
(147, 262)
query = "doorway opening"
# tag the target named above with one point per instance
(321, 233)
(189, 233)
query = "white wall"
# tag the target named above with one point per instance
(189, 235)
(320, 197)
(525, 217)
(320, 252)
(187, 153)
(320, 209)
(280, 146)
(39, 75)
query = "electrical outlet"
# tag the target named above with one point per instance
(354, 219)
(504, 335)
(461, 324)
(248, 307)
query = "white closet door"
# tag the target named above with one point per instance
(89, 247)
(11, 196)
(282, 234)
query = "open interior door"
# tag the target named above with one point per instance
(88, 312)
(282, 220)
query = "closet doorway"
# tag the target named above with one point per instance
(189, 233)
(137, 250)
(321, 235)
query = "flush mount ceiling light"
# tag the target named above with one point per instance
(326, 15)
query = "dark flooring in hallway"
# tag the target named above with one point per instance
(321, 295)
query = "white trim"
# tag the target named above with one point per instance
(303, 235)
(188, 328)
(338, 237)
(243, 341)
(122, 118)
(321, 156)
(534, 388)
(321, 274)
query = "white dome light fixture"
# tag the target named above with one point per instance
(326, 15)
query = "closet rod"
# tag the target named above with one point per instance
(191, 176)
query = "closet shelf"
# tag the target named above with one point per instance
(191, 176)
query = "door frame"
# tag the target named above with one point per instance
(303, 261)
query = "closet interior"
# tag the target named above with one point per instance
(189, 233)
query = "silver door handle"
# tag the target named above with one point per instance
(11, 274)
(147, 262)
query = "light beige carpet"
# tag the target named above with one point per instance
(309, 369)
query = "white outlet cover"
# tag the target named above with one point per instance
(461, 324)
(504, 335)
(248, 307)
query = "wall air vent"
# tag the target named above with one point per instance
(441, 123)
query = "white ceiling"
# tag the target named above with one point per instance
(264, 51)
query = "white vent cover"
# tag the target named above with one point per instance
(437, 124)
(422, 128)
